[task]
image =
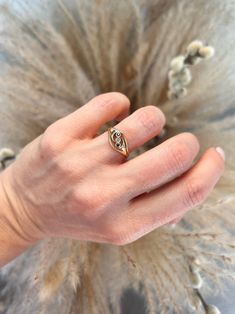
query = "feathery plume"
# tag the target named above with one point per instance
(56, 56)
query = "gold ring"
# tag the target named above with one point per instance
(118, 141)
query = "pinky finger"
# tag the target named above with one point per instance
(151, 210)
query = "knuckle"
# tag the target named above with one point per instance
(52, 141)
(47, 145)
(108, 100)
(179, 157)
(87, 201)
(67, 168)
(196, 192)
(151, 118)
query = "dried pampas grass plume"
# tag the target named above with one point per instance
(53, 279)
(54, 57)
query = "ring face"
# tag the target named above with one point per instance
(118, 141)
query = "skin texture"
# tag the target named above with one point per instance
(69, 182)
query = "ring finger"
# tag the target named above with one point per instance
(139, 127)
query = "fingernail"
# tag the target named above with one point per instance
(221, 152)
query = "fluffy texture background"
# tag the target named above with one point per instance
(54, 56)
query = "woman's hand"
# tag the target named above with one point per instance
(69, 182)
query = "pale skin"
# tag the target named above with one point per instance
(69, 182)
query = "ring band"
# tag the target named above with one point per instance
(118, 141)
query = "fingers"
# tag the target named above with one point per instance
(142, 125)
(88, 119)
(151, 210)
(160, 164)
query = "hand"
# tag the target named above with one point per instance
(69, 182)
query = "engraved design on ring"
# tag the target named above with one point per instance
(118, 141)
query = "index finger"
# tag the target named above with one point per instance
(88, 119)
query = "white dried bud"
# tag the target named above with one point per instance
(195, 268)
(185, 76)
(193, 47)
(175, 94)
(212, 309)
(5, 153)
(175, 85)
(177, 64)
(195, 60)
(206, 52)
(171, 75)
(196, 280)
(183, 92)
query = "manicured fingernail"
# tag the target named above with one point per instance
(221, 152)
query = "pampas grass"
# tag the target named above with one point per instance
(55, 56)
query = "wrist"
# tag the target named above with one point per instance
(17, 232)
